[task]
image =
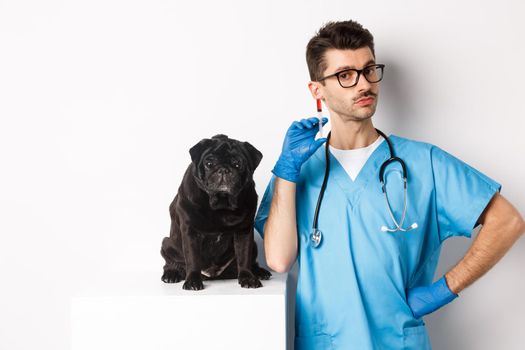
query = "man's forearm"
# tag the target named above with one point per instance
(280, 230)
(502, 227)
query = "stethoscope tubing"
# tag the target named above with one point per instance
(316, 235)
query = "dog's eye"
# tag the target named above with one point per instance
(236, 164)
(208, 164)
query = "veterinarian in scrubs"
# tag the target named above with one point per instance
(361, 287)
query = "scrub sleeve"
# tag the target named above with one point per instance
(462, 193)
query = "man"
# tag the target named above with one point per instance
(366, 281)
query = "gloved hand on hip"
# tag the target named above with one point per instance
(424, 300)
(299, 144)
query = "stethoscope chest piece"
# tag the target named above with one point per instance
(315, 237)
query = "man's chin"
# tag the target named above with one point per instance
(363, 115)
(358, 113)
(366, 112)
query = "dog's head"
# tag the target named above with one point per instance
(223, 167)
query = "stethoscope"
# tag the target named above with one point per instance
(316, 235)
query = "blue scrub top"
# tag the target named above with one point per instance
(351, 290)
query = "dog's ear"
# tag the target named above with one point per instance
(253, 154)
(220, 137)
(196, 150)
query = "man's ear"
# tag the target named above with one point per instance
(196, 150)
(253, 154)
(315, 90)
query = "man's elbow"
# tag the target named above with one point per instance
(280, 267)
(279, 260)
(520, 225)
(280, 264)
(514, 223)
(501, 213)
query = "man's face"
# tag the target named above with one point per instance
(344, 101)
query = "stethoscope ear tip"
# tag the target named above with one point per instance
(414, 225)
(384, 228)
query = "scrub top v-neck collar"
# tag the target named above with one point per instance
(368, 174)
(353, 160)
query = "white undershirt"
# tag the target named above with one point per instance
(353, 160)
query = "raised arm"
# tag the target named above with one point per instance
(280, 230)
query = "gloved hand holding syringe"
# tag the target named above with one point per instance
(299, 144)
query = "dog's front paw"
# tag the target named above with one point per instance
(171, 276)
(193, 282)
(248, 280)
(262, 273)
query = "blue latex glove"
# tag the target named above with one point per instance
(299, 144)
(424, 300)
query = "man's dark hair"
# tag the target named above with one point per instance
(335, 35)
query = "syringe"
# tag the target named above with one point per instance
(320, 116)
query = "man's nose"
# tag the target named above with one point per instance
(363, 84)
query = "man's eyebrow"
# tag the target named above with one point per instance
(370, 61)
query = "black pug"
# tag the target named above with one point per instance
(212, 217)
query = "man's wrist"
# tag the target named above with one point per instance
(285, 174)
(452, 282)
(442, 289)
(427, 299)
(285, 168)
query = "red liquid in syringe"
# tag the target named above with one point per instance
(320, 116)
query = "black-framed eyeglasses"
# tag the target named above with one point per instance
(350, 77)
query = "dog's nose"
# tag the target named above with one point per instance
(223, 171)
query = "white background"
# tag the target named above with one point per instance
(101, 100)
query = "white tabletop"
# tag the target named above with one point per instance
(148, 283)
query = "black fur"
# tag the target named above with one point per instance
(212, 217)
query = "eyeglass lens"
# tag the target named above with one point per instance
(373, 74)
